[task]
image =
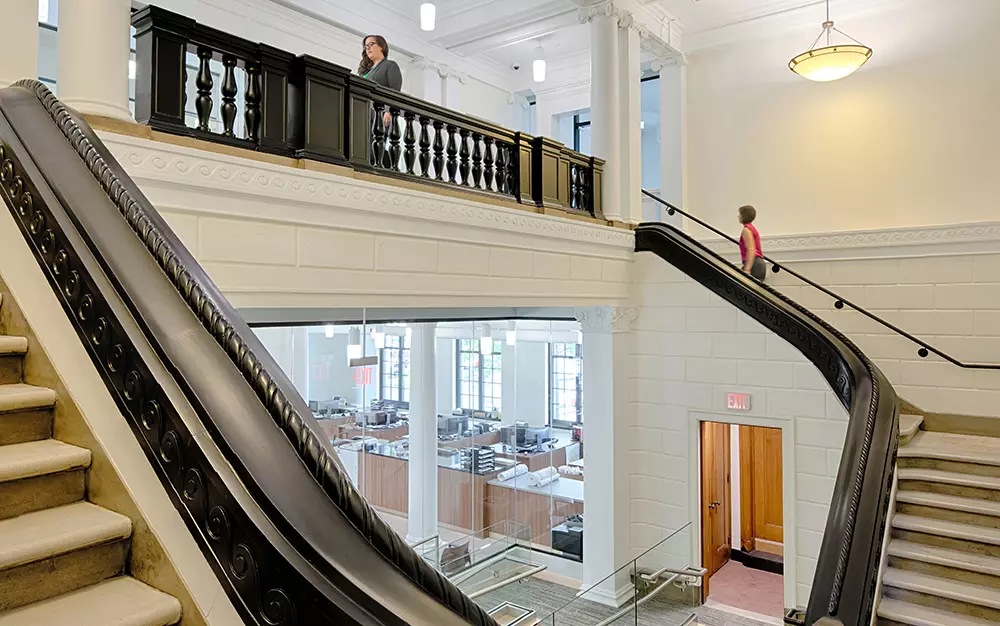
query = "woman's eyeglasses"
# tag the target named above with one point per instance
(370, 45)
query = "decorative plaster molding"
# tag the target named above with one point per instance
(607, 8)
(673, 60)
(957, 239)
(423, 63)
(606, 319)
(180, 166)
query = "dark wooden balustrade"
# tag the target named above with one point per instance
(257, 97)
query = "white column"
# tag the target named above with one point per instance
(424, 80)
(423, 497)
(604, 100)
(93, 56)
(300, 360)
(606, 371)
(508, 384)
(543, 117)
(452, 96)
(673, 79)
(19, 34)
(630, 118)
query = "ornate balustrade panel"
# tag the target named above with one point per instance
(416, 139)
(201, 82)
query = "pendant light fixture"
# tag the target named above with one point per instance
(354, 343)
(538, 67)
(830, 62)
(486, 340)
(378, 336)
(511, 333)
(428, 13)
(328, 331)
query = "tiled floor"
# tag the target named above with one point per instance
(748, 589)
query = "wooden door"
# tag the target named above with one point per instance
(761, 507)
(716, 516)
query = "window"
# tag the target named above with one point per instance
(479, 385)
(395, 361)
(581, 132)
(565, 384)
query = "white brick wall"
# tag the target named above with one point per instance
(950, 301)
(691, 349)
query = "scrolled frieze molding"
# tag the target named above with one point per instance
(606, 319)
(608, 8)
(671, 60)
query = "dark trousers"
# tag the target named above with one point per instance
(759, 269)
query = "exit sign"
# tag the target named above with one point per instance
(738, 401)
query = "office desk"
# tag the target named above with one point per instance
(540, 508)
(396, 432)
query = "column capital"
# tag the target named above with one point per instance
(606, 319)
(672, 60)
(607, 8)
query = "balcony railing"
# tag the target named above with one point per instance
(257, 97)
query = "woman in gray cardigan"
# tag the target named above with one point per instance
(375, 64)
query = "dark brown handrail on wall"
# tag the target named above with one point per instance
(839, 302)
(305, 107)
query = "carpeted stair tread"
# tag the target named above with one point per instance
(941, 587)
(21, 397)
(915, 615)
(119, 601)
(950, 502)
(43, 534)
(38, 458)
(957, 559)
(951, 478)
(943, 528)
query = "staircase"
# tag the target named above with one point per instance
(62, 559)
(944, 552)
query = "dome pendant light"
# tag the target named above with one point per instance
(831, 62)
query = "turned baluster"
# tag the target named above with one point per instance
(501, 168)
(463, 154)
(252, 98)
(378, 135)
(228, 90)
(203, 81)
(586, 177)
(513, 161)
(425, 147)
(477, 161)
(574, 186)
(395, 149)
(452, 153)
(488, 160)
(409, 142)
(438, 151)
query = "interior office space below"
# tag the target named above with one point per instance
(508, 426)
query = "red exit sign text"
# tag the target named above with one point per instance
(738, 401)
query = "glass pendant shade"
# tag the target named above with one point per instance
(830, 62)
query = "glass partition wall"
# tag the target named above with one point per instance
(466, 436)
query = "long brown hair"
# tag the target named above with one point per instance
(366, 63)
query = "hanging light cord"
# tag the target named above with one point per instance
(828, 29)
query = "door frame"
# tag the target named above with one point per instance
(787, 427)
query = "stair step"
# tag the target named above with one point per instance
(37, 458)
(950, 502)
(40, 475)
(43, 534)
(944, 528)
(914, 615)
(959, 479)
(944, 557)
(12, 346)
(941, 587)
(58, 550)
(951, 447)
(908, 426)
(120, 601)
(21, 397)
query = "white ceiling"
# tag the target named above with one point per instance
(508, 32)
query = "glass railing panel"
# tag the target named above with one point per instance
(641, 587)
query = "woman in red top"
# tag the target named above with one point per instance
(750, 251)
